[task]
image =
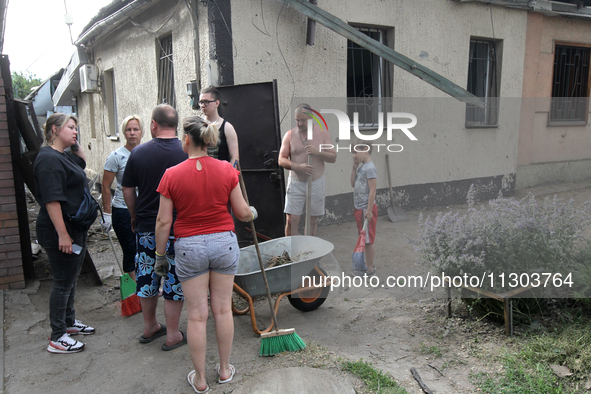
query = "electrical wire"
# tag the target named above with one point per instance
(266, 32)
(285, 61)
(69, 26)
(162, 25)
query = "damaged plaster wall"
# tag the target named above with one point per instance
(131, 52)
(433, 33)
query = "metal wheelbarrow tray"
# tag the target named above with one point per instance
(286, 279)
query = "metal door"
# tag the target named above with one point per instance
(253, 111)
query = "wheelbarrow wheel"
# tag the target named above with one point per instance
(310, 300)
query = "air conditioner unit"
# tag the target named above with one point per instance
(88, 78)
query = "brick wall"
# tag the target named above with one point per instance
(11, 266)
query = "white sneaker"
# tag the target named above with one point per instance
(65, 345)
(80, 328)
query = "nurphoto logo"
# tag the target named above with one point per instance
(344, 123)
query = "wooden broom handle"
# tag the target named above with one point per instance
(256, 245)
(308, 222)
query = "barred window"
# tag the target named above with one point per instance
(166, 93)
(368, 77)
(484, 81)
(570, 84)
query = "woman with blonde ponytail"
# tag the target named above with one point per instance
(206, 248)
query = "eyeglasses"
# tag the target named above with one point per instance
(206, 102)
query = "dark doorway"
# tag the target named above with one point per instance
(254, 112)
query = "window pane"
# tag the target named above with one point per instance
(365, 76)
(483, 82)
(166, 94)
(570, 83)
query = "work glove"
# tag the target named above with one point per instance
(161, 266)
(106, 222)
(255, 214)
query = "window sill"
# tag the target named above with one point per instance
(566, 123)
(483, 126)
(114, 137)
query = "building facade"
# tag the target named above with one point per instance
(146, 52)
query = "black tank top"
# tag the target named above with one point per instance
(220, 151)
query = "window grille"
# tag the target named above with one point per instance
(570, 87)
(368, 78)
(166, 94)
(483, 82)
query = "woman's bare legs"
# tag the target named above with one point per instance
(220, 287)
(195, 291)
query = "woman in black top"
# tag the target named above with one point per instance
(60, 183)
(227, 146)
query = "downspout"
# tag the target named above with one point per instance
(111, 20)
(3, 11)
(192, 6)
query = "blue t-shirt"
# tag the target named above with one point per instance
(145, 167)
(116, 163)
(361, 191)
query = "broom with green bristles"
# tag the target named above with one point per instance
(278, 341)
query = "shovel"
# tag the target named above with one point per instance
(395, 213)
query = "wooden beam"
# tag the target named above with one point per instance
(339, 26)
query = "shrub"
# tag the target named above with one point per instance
(506, 235)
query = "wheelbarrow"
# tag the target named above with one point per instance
(305, 253)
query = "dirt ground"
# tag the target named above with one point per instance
(395, 329)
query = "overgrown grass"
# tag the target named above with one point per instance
(375, 380)
(569, 346)
(528, 370)
(521, 378)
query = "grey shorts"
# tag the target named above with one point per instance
(196, 255)
(295, 198)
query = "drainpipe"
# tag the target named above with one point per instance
(117, 17)
(195, 19)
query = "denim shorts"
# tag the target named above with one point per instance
(199, 254)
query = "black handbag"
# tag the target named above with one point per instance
(86, 214)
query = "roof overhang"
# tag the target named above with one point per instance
(111, 18)
(69, 86)
(550, 8)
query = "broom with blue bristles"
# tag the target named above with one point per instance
(277, 341)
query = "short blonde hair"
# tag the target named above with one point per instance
(126, 121)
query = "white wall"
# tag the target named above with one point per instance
(132, 53)
(446, 150)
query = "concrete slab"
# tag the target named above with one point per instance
(295, 380)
